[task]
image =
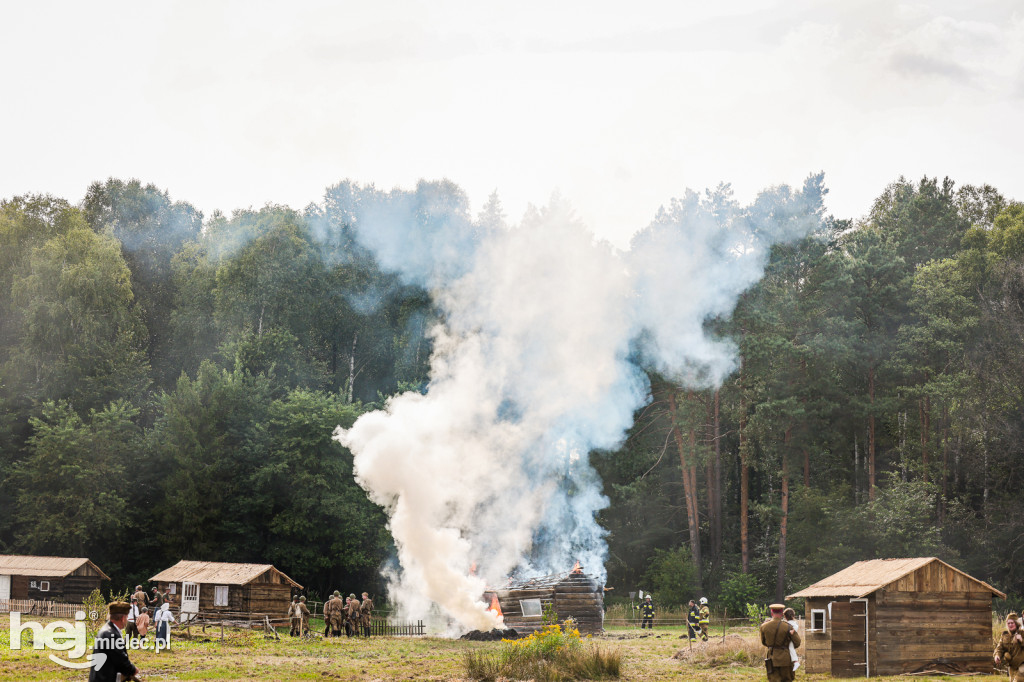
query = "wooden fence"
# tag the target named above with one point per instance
(37, 607)
(382, 628)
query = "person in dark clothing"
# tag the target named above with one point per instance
(647, 611)
(110, 655)
(693, 620)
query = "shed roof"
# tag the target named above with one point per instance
(217, 572)
(44, 566)
(864, 577)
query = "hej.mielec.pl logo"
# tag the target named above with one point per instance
(60, 635)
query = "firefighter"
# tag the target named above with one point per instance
(693, 620)
(647, 611)
(704, 619)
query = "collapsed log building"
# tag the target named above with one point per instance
(896, 616)
(573, 594)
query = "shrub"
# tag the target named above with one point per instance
(671, 576)
(758, 614)
(548, 655)
(738, 590)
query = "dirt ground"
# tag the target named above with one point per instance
(244, 656)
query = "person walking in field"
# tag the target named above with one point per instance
(142, 623)
(647, 613)
(790, 617)
(777, 634)
(303, 616)
(705, 618)
(295, 617)
(353, 616)
(1010, 649)
(365, 612)
(116, 664)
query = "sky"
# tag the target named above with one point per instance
(617, 107)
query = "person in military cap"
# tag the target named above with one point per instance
(333, 615)
(110, 642)
(776, 634)
(1010, 648)
(303, 611)
(294, 617)
(353, 616)
(365, 611)
(647, 611)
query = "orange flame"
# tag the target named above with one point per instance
(577, 568)
(495, 605)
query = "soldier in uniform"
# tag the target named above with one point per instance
(704, 620)
(295, 617)
(353, 616)
(365, 611)
(776, 634)
(647, 611)
(303, 611)
(1010, 649)
(333, 615)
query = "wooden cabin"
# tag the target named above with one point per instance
(896, 616)
(48, 578)
(572, 594)
(212, 587)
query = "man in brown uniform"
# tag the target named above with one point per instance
(365, 609)
(333, 615)
(776, 634)
(1010, 649)
(352, 627)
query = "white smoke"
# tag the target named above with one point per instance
(536, 364)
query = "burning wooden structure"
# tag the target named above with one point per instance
(224, 588)
(895, 616)
(50, 578)
(572, 594)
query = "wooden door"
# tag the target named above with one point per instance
(189, 598)
(849, 649)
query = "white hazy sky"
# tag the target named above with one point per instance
(618, 106)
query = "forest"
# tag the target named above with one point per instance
(169, 383)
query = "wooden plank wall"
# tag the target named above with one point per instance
(937, 577)
(913, 628)
(817, 645)
(512, 612)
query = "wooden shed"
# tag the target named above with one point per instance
(572, 594)
(50, 578)
(895, 616)
(222, 588)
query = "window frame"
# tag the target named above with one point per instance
(824, 621)
(531, 602)
(217, 595)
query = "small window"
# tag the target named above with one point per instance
(531, 608)
(220, 595)
(44, 586)
(33, 584)
(817, 620)
(174, 588)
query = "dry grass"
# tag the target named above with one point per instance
(731, 651)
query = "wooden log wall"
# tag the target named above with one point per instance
(817, 645)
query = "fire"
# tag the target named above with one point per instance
(495, 606)
(577, 568)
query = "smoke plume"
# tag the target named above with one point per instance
(538, 360)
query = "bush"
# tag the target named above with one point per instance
(738, 590)
(548, 655)
(758, 614)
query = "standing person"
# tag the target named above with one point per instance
(647, 612)
(790, 617)
(142, 623)
(333, 615)
(139, 596)
(110, 641)
(155, 601)
(294, 617)
(303, 616)
(353, 616)
(1010, 649)
(777, 634)
(163, 619)
(704, 619)
(693, 620)
(132, 630)
(365, 611)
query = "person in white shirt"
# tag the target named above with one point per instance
(790, 616)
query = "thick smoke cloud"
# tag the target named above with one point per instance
(540, 359)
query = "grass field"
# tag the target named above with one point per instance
(244, 656)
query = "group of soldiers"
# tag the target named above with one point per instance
(349, 615)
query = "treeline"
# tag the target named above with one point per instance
(877, 411)
(170, 384)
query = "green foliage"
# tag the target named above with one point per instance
(549, 654)
(737, 590)
(757, 613)
(549, 617)
(671, 577)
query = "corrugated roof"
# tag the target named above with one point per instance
(44, 566)
(216, 572)
(864, 577)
